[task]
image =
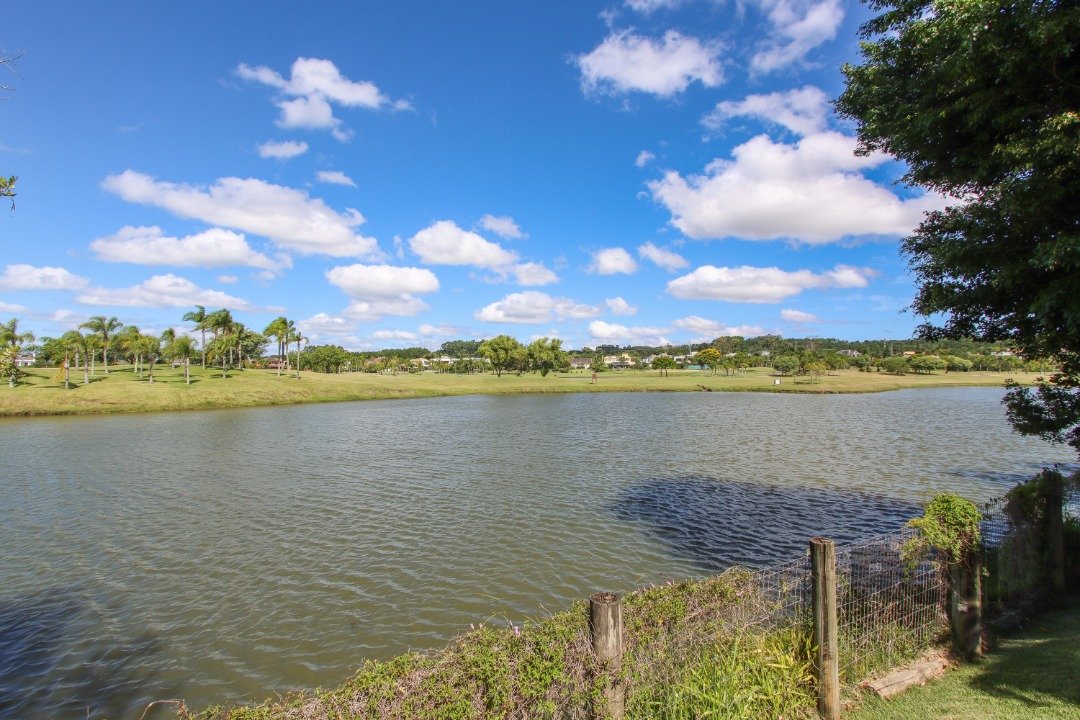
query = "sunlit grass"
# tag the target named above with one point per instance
(40, 393)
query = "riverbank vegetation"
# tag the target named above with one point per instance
(42, 391)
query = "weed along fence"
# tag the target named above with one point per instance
(767, 643)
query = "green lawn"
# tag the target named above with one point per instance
(123, 391)
(1033, 675)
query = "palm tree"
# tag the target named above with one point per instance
(93, 344)
(105, 328)
(10, 336)
(182, 348)
(198, 316)
(128, 341)
(279, 329)
(75, 343)
(298, 338)
(150, 347)
(224, 345)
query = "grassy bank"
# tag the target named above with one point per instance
(123, 391)
(1031, 675)
(688, 654)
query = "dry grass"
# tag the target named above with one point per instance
(123, 391)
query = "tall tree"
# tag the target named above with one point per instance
(182, 348)
(279, 330)
(982, 100)
(501, 351)
(198, 316)
(12, 340)
(104, 327)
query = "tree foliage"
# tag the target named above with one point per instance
(982, 100)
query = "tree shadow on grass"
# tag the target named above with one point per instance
(1045, 662)
(58, 659)
(718, 523)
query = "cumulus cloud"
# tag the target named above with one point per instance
(227, 279)
(322, 325)
(503, 226)
(705, 330)
(314, 84)
(625, 62)
(394, 335)
(213, 248)
(162, 291)
(289, 217)
(747, 284)
(614, 333)
(29, 277)
(282, 150)
(12, 308)
(811, 192)
(382, 281)
(444, 243)
(380, 290)
(533, 274)
(797, 27)
(533, 306)
(612, 261)
(335, 177)
(443, 330)
(648, 6)
(619, 306)
(373, 310)
(803, 111)
(798, 316)
(667, 259)
(644, 158)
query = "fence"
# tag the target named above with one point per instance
(771, 642)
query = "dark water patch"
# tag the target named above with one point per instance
(717, 523)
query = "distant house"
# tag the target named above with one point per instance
(1003, 353)
(849, 353)
(275, 364)
(580, 362)
(619, 362)
(910, 353)
(25, 359)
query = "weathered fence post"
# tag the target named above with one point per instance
(965, 604)
(606, 635)
(1055, 531)
(827, 662)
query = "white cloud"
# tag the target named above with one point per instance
(802, 111)
(533, 306)
(11, 308)
(212, 248)
(614, 333)
(667, 259)
(619, 306)
(382, 281)
(533, 274)
(647, 6)
(312, 86)
(29, 277)
(227, 279)
(625, 62)
(761, 285)
(706, 330)
(287, 216)
(380, 290)
(798, 316)
(798, 26)
(811, 192)
(335, 177)
(374, 310)
(322, 325)
(503, 226)
(644, 158)
(394, 335)
(444, 243)
(611, 261)
(162, 291)
(282, 150)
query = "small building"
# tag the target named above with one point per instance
(26, 359)
(580, 362)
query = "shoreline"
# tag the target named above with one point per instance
(123, 392)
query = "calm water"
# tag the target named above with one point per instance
(229, 555)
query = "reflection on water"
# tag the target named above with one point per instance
(229, 555)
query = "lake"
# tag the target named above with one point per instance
(229, 555)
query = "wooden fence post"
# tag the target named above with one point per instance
(1055, 531)
(965, 605)
(606, 635)
(826, 665)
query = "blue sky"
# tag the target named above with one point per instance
(390, 174)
